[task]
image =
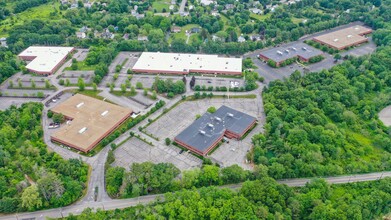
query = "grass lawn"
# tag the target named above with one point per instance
(260, 17)
(297, 20)
(160, 5)
(41, 12)
(120, 93)
(182, 34)
(82, 66)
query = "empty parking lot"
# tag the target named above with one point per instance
(137, 151)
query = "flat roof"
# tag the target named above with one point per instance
(206, 130)
(93, 119)
(285, 52)
(345, 37)
(185, 63)
(46, 58)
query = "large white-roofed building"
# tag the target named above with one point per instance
(179, 63)
(45, 60)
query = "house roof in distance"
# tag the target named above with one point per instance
(206, 130)
(185, 63)
(288, 51)
(92, 120)
(46, 58)
(345, 37)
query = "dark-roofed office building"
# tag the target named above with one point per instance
(279, 54)
(207, 131)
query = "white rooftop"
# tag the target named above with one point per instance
(185, 63)
(46, 58)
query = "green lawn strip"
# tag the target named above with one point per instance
(120, 93)
(143, 139)
(149, 135)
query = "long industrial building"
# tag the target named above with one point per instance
(177, 63)
(45, 60)
(300, 50)
(205, 133)
(89, 121)
(344, 38)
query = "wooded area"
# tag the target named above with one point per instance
(31, 177)
(326, 123)
(264, 199)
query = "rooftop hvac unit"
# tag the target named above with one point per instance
(104, 113)
(349, 36)
(202, 132)
(79, 105)
(81, 131)
(230, 115)
(336, 39)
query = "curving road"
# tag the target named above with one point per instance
(123, 203)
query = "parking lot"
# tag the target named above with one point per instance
(235, 151)
(147, 80)
(271, 74)
(124, 59)
(385, 116)
(73, 76)
(137, 151)
(219, 82)
(6, 102)
(81, 54)
(179, 118)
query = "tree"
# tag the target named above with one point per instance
(58, 118)
(114, 179)
(211, 109)
(33, 85)
(30, 198)
(94, 87)
(168, 141)
(47, 84)
(154, 95)
(50, 186)
(133, 91)
(123, 88)
(81, 84)
(11, 84)
(209, 176)
(233, 174)
(337, 56)
(74, 66)
(61, 82)
(112, 87)
(67, 82)
(145, 92)
(115, 76)
(192, 81)
(139, 85)
(127, 83)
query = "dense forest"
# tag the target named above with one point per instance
(31, 177)
(8, 64)
(326, 123)
(264, 199)
(148, 178)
